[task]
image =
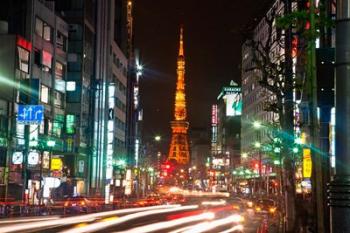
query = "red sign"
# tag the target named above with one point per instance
(214, 114)
(24, 43)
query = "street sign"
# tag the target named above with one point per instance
(30, 114)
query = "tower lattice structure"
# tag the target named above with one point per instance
(179, 149)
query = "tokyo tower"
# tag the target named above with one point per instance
(179, 149)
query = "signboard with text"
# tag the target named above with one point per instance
(30, 114)
(307, 163)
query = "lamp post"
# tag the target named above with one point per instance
(257, 125)
(51, 144)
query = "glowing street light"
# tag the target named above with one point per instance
(244, 155)
(257, 144)
(51, 143)
(257, 124)
(157, 138)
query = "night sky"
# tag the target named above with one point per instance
(213, 34)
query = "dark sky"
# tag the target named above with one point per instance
(212, 39)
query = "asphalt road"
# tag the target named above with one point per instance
(220, 217)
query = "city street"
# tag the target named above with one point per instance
(212, 217)
(182, 116)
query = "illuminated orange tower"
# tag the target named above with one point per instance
(179, 149)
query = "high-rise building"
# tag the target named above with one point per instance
(99, 68)
(34, 89)
(226, 137)
(179, 148)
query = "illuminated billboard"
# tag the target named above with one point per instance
(233, 104)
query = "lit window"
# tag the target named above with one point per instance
(39, 27)
(47, 32)
(59, 71)
(23, 59)
(46, 61)
(58, 99)
(44, 94)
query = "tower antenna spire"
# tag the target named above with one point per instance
(181, 46)
(179, 148)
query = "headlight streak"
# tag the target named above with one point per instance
(214, 203)
(22, 220)
(168, 224)
(76, 219)
(233, 229)
(181, 229)
(206, 226)
(102, 225)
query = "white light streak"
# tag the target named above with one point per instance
(76, 219)
(113, 222)
(206, 226)
(168, 224)
(233, 229)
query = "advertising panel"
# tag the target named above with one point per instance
(234, 104)
(307, 163)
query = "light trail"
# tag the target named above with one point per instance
(102, 225)
(76, 219)
(233, 229)
(214, 203)
(168, 224)
(21, 220)
(206, 226)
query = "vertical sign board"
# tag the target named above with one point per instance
(30, 114)
(307, 163)
(233, 97)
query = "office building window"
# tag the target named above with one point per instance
(43, 30)
(59, 99)
(61, 41)
(46, 61)
(23, 59)
(39, 24)
(37, 57)
(44, 94)
(59, 71)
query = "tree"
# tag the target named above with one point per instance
(275, 75)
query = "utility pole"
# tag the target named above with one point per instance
(317, 177)
(339, 188)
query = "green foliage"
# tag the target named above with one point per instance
(299, 20)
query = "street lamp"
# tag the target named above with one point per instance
(157, 138)
(257, 145)
(244, 155)
(257, 124)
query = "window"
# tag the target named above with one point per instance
(39, 27)
(59, 71)
(58, 99)
(46, 61)
(44, 94)
(37, 57)
(23, 59)
(47, 32)
(43, 30)
(61, 41)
